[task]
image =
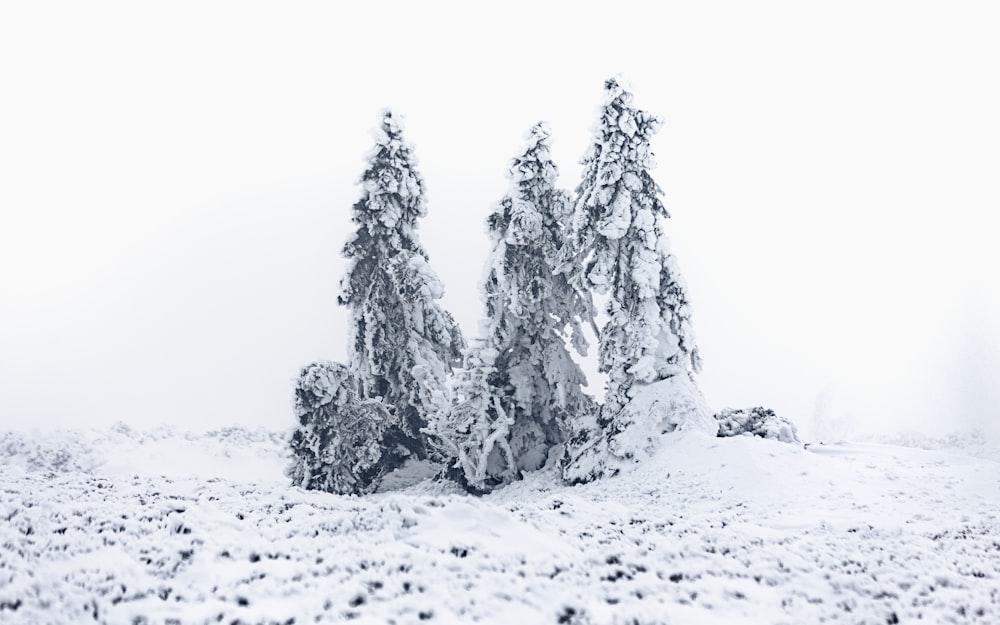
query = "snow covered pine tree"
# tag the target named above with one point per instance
(519, 384)
(337, 446)
(402, 344)
(621, 250)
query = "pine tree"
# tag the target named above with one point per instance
(403, 343)
(337, 446)
(621, 250)
(520, 384)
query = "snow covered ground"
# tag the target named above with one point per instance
(164, 527)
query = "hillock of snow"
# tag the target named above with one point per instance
(637, 432)
(706, 531)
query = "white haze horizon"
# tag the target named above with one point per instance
(178, 181)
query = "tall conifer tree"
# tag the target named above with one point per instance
(403, 343)
(520, 385)
(621, 250)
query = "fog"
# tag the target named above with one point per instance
(177, 184)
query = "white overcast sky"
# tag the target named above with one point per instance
(176, 180)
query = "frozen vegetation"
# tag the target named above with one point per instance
(122, 526)
(431, 479)
(757, 421)
(516, 402)
(520, 391)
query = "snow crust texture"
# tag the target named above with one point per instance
(709, 530)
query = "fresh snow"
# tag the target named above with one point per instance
(168, 527)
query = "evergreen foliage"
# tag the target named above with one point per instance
(621, 251)
(518, 401)
(403, 343)
(519, 385)
(338, 445)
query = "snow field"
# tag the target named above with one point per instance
(738, 530)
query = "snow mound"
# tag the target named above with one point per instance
(636, 433)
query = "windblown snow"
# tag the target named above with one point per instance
(163, 527)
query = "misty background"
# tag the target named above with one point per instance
(176, 183)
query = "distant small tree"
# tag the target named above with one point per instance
(403, 343)
(520, 385)
(621, 250)
(337, 446)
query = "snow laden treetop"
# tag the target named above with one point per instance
(621, 250)
(402, 342)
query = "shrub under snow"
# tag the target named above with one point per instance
(756, 421)
(338, 445)
(59, 452)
